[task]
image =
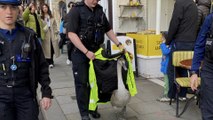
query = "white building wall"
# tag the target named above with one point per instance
(166, 13)
(104, 4)
(148, 13)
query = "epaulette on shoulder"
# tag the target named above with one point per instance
(78, 4)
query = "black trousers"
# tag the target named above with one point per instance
(17, 104)
(69, 50)
(50, 60)
(206, 100)
(80, 72)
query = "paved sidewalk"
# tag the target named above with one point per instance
(141, 107)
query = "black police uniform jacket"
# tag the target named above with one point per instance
(89, 25)
(37, 67)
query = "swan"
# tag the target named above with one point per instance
(120, 97)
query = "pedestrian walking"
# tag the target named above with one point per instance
(22, 67)
(50, 42)
(203, 7)
(70, 46)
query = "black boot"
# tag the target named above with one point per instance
(85, 118)
(95, 114)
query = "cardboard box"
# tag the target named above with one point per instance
(147, 44)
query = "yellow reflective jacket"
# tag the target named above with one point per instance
(93, 83)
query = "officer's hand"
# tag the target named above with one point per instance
(90, 55)
(45, 103)
(194, 82)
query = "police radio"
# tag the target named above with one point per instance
(25, 49)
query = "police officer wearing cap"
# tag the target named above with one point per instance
(22, 66)
(86, 27)
(203, 51)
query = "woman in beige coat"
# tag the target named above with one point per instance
(50, 43)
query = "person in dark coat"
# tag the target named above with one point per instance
(203, 7)
(181, 36)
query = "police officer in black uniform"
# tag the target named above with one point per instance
(87, 25)
(22, 66)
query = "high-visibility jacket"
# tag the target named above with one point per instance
(93, 83)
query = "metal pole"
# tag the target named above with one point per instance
(158, 17)
(50, 4)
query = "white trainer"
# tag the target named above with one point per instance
(68, 62)
(51, 66)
